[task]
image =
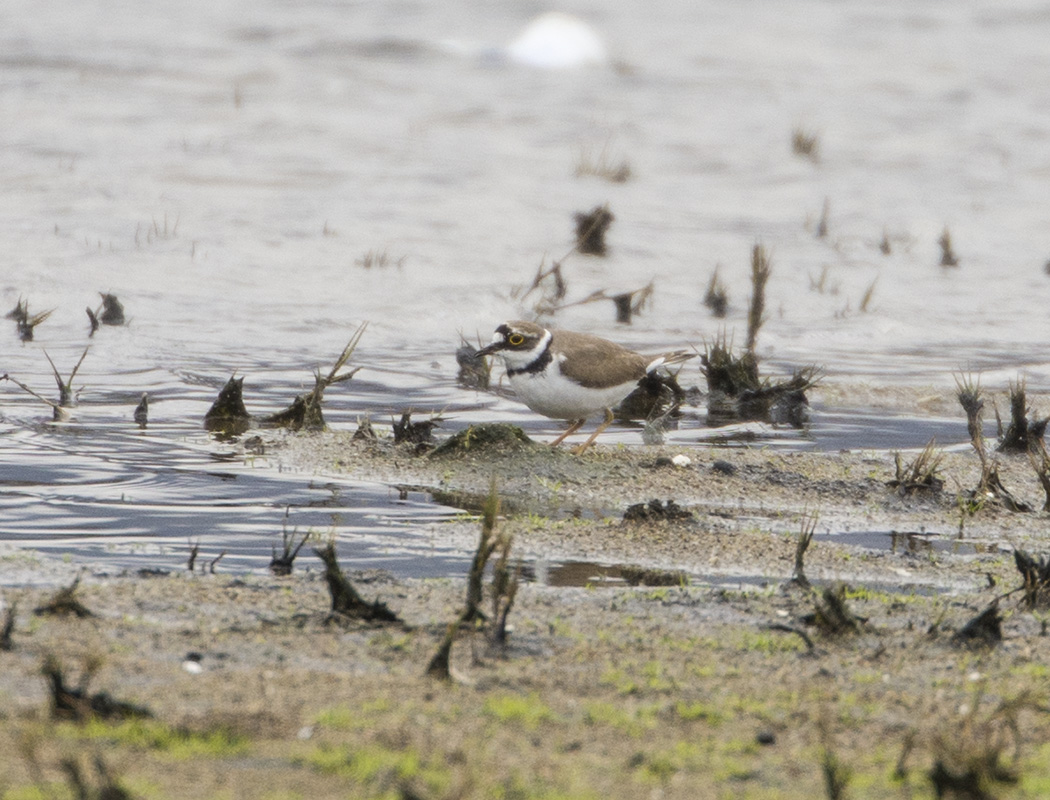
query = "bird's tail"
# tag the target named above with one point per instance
(670, 359)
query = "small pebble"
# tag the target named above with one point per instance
(679, 461)
(192, 663)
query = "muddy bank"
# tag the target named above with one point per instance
(664, 691)
(744, 505)
(724, 681)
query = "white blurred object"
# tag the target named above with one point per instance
(556, 40)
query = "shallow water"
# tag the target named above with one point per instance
(910, 542)
(228, 170)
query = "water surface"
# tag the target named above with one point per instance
(255, 180)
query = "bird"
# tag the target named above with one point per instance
(567, 375)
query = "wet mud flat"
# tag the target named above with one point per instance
(899, 669)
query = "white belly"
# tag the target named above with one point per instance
(552, 394)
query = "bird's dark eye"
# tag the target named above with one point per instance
(515, 339)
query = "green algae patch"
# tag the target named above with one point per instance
(487, 437)
(174, 742)
(385, 771)
(528, 711)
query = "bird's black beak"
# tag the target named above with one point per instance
(490, 349)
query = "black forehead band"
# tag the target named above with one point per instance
(503, 330)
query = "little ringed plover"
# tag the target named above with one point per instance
(570, 376)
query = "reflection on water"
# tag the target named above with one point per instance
(597, 575)
(143, 500)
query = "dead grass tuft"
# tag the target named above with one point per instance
(884, 244)
(487, 544)
(474, 372)
(65, 603)
(601, 165)
(921, 474)
(75, 703)
(984, 630)
(974, 759)
(820, 284)
(24, 322)
(305, 411)
(1040, 461)
(948, 257)
(1021, 435)
(805, 144)
(347, 604)
(503, 589)
(418, 434)
(440, 665)
(805, 538)
(591, 228)
(869, 293)
(716, 297)
(760, 271)
(379, 259)
(836, 775)
(735, 391)
(282, 565)
(7, 630)
(832, 616)
(822, 223)
(1035, 576)
(107, 786)
(551, 286)
(969, 395)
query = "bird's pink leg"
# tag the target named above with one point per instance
(575, 426)
(581, 449)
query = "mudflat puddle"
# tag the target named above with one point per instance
(914, 542)
(596, 575)
(829, 431)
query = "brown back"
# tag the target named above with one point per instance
(597, 363)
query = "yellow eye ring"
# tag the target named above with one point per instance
(515, 339)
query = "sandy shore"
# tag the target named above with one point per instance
(719, 685)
